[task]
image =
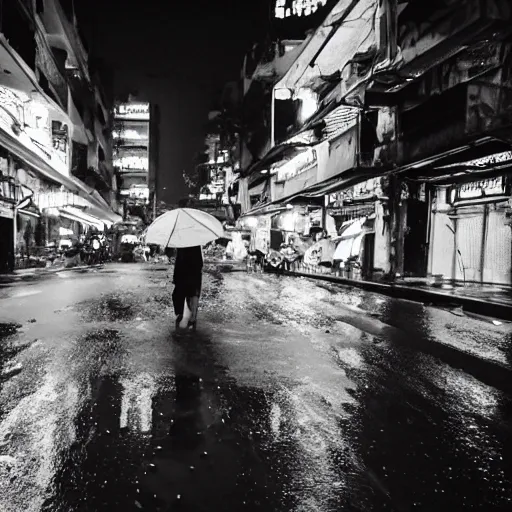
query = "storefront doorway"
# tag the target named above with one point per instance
(483, 245)
(416, 238)
(7, 245)
(368, 255)
(471, 232)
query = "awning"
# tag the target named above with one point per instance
(71, 183)
(29, 213)
(265, 209)
(352, 228)
(257, 189)
(276, 154)
(350, 241)
(347, 179)
(78, 215)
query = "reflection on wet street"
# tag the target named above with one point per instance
(291, 396)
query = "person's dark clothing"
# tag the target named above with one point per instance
(188, 273)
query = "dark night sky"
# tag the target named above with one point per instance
(176, 54)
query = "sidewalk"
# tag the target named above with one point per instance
(30, 273)
(482, 300)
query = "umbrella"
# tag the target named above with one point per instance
(184, 227)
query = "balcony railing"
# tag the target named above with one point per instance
(9, 191)
(479, 109)
(46, 62)
(67, 18)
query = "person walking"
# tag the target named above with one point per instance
(188, 271)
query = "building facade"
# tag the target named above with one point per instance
(392, 123)
(55, 147)
(136, 152)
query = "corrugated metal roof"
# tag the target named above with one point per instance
(307, 137)
(339, 121)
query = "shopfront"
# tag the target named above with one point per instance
(6, 236)
(7, 202)
(471, 235)
(360, 214)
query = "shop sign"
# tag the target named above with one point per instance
(353, 212)
(136, 192)
(6, 211)
(478, 189)
(128, 163)
(364, 190)
(490, 160)
(287, 8)
(301, 163)
(133, 110)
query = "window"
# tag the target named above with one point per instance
(79, 159)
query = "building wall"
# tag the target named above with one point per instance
(154, 147)
(132, 136)
(48, 96)
(296, 184)
(470, 243)
(382, 238)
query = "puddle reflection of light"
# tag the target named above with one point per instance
(469, 392)
(136, 403)
(44, 421)
(275, 420)
(351, 357)
(315, 431)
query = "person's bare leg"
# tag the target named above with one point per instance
(193, 303)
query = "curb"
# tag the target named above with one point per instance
(479, 306)
(487, 371)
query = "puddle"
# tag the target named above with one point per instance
(109, 309)
(8, 329)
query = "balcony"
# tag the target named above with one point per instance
(62, 33)
(47, 64)
(425, 41)
(464, 115)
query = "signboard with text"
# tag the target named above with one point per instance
(297, 165)
(132, 111)
(479, 189)
(292, 18)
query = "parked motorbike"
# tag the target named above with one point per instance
(94, 251)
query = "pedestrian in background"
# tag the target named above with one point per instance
(188, 273)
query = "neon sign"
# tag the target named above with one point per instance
(288, 8)
(133, 111)
(138, 163)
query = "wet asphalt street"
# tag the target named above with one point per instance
(291, 396)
